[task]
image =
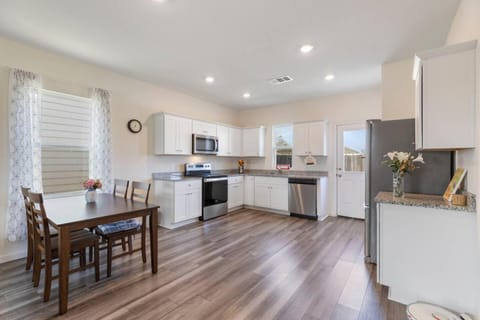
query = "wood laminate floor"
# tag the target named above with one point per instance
(246, 265)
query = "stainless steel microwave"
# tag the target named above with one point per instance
(202, 144)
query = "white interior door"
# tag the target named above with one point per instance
(351, 150)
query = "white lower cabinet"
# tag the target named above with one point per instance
(271, 193)
(235, 192)
(249, 191)
(180, 201)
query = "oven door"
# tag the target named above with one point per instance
(215, 191)
(204, 144)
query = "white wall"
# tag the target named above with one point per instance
(131, 98)
(465, 27)
(398, 90)
(339, 109)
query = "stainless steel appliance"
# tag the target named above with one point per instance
(302, 197)
(215, 189)
(202, 144)
(431, 178)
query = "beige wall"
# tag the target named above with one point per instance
(465, 27)
(131, 98)
(339, 109)
(398, 90)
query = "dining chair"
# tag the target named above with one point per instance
(120, 188)
(30, 233)
(127, 228)
(46, 247)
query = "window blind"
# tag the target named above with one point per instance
(65, 126)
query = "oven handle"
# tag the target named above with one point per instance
(216, 179)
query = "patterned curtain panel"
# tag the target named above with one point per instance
(101, 140)
(25, 150)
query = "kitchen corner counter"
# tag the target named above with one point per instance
(173, 177)
(426, 201)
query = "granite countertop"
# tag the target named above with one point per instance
(275, 173)
(173, 176)
(426, 201)
(179, 176)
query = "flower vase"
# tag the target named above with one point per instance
(91, 195)
(398, 185)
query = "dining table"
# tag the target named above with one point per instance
(69, 214)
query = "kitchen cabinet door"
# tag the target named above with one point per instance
(177, 135)
(204, 128)
(262, 195)
(194, 204)
(300, 139)
(181, 207)
(253, 142)
(235, 195)
(223, 140)
(279, 197)
(249, 191)
(317, 138)
(235, 142)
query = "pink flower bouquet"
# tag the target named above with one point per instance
(92, 184)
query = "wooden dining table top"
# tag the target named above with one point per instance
(74, 210)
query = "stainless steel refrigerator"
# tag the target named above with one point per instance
(432, 178)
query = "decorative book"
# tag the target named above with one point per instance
(455, 183)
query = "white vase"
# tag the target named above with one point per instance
(91, 195)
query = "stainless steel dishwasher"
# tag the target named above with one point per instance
(302, 197)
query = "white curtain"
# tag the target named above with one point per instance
(101, 140)
(25, 149)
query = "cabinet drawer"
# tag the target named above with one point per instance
(235, 179)
(186, 186)
(272, 180)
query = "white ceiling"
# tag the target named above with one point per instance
(241, 43)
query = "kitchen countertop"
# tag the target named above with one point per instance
(426, 201)
(179, 176)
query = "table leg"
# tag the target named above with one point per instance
(154, 240)
(64, 267)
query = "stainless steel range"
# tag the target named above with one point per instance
(215, 189)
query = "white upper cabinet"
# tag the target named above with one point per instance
(229, 141)
(445, 97)
(253, 143)
(172, 134)
(204, 128)
(310, 138)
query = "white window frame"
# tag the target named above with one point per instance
(274, 145)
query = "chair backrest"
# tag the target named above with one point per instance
(28, 212)
(140, 191)
(40, 221)
(120, 188)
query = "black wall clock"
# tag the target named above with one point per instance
(134, 126)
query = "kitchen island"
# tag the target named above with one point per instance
(427, 250)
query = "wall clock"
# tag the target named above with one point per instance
(134, 126)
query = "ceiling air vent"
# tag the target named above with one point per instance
(280, 80)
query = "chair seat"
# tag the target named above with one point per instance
(78, 240)
(120, 226)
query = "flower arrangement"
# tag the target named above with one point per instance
(241, 166)
(92, 184)
(402, 162)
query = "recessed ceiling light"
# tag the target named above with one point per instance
(209, 79)
(329, 77)
(159, 1)
(306, 48)
(247, 95)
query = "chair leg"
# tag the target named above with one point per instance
(82, 259)
(109, 257)
(144, 249)
(37, 268)
(124, 247)
(29, 254)
(97, 262)
(130, 244)
(48, 278)
(90, 253)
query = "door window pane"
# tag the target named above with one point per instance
(354, 150)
